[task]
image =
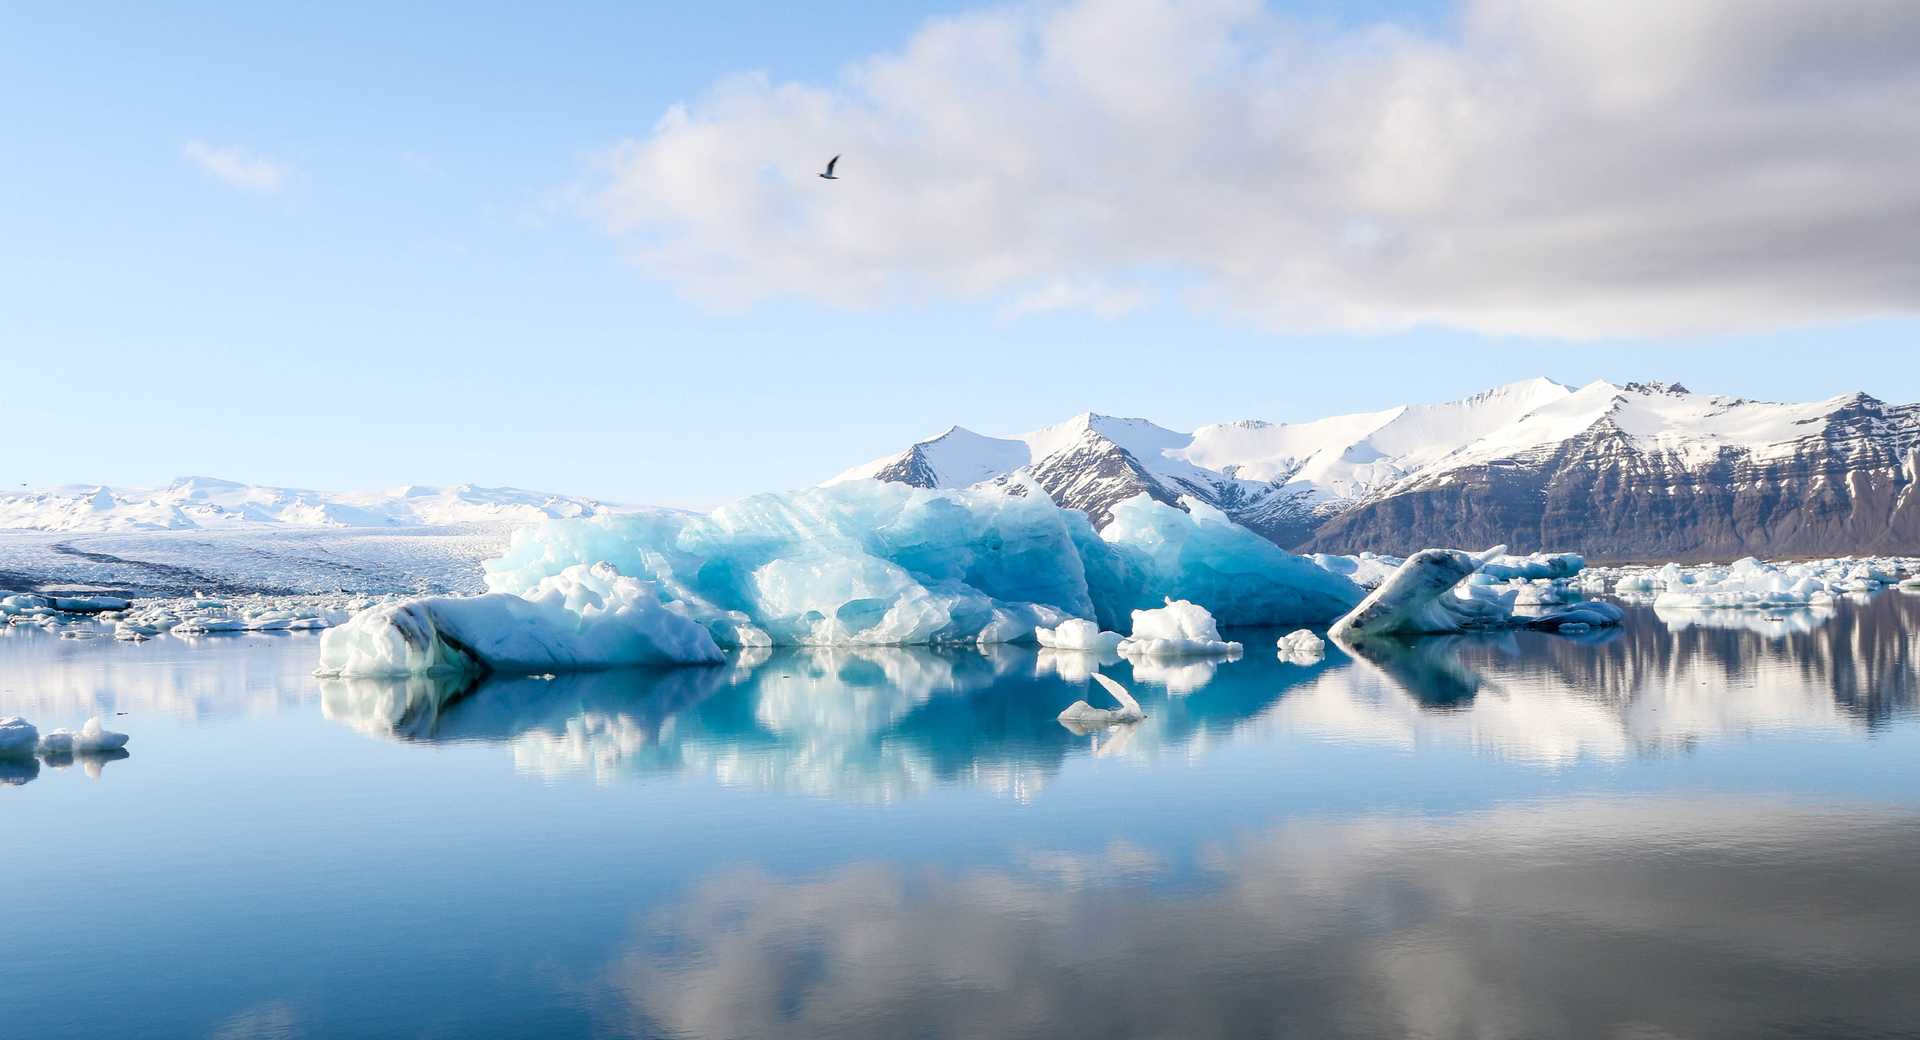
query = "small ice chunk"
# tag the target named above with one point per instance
(1081, 713)
(1077, 634)
(1178, 629)
(1301, 646)
(18, 737)
(93, 739)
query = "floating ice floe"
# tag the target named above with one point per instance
(21, 739)
(1078, 634)
(1082, 714)
(1753, 583)
(1179, 629)
(92, 739)
(77, 617)
(581, 618)
(1301, 647)
(18, 737)
(1432, 593)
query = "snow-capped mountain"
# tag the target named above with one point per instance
(1616, 471)
(193, 503)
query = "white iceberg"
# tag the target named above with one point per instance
(581, 618)
(93, 739)
(1082, 714)
(1179, 629)
(1301, 646)
(1078, 634)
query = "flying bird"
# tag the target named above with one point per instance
(829, 174)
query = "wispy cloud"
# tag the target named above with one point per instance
(236, 166)
(1546, 166)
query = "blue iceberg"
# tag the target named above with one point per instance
(860, 563)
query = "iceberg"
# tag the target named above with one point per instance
(876, 563)
(93, 739)
(1078, 634)
(18, 737)
(1082, 714)
(1179, 629)
(581, 618)
(1419, 598)
(1301, 646)
(1432, 593)
(1504, 567)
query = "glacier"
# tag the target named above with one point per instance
(862, 563)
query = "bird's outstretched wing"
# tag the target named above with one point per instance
(1119, 692)
(830, 164)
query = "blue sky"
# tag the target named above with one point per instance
(415, 280)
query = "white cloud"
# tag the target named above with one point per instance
(1554, 166)
(236, 167)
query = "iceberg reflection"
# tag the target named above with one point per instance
(887, 723)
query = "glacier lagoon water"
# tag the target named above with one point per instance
(1702, 824)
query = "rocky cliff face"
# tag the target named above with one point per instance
(1847, 485)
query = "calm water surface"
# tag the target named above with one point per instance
(1691, 827)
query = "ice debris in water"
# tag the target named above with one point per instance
(186, 616)
(21, 739)
(1082, 714)
(862, 563)
(1751, 583)
(18, 737)
(1179, 629)
(582, 617)
(1435, 591)
(92, 739)
(1301, 646)
(1078, 634)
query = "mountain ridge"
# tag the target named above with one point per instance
(1618, 470)
(204, 503)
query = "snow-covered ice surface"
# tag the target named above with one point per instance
(277, 561)
(209, 503)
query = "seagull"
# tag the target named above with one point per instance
(828, 176)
